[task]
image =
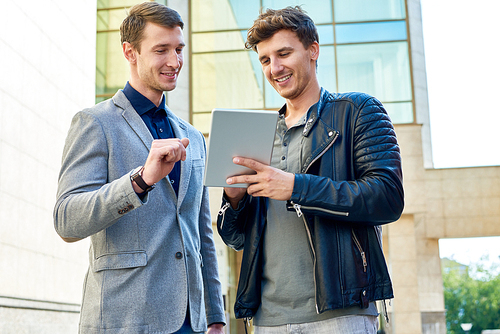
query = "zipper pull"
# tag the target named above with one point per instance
(223, 209)
(386, 314)
(247, 320)
(297, 209)
(222, 212)
(365, 264)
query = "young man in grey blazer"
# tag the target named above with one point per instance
(131, 180)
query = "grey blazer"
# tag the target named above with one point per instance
(149, 259)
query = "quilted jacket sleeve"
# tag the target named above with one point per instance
(365, 183)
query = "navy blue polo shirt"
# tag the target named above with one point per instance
(157, 122)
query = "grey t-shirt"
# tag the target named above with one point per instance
(288, 273)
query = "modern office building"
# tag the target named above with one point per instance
(54, 64)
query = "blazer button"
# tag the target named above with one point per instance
(178, 255)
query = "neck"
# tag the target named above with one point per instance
(297, 107)
(152, 95)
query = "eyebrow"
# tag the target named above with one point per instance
(167, 45)
(285, 48)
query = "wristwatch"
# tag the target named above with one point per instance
(137, 178)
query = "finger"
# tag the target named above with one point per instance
(249, 179)
(250, 163)
(255, 190)
(173, 152)
(185, 142)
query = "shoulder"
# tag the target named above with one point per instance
(185, 125)
(356, 99)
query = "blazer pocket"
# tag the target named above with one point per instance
(121, 260)
(198, 162)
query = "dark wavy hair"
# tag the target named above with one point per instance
(290, 18)
(132, 27)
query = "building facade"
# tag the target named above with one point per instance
(55, 65)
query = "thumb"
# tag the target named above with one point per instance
(185, 142)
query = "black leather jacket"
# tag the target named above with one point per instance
(350, 183)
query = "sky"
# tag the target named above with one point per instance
(461, 40)
(471, 251)
(462, 44)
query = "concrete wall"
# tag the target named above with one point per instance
(440, 203)
(47, 75)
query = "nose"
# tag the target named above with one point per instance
(174, 59)
(276, 66)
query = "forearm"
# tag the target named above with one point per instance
(79, 214)
(231, 223)
(374, 200)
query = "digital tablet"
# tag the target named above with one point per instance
(238, 132)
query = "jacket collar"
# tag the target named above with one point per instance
(314, 111)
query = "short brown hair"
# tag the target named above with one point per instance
(132, 27)
(290, 18)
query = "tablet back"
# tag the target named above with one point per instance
(238, 132)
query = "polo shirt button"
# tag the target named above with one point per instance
(178, 255)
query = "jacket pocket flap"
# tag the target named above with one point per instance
(120, 260)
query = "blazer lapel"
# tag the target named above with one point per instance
(133, 119)
(181, 131)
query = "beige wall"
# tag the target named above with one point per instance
(440, 203)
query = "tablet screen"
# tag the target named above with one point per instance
(238, 132)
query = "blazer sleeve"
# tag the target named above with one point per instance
(210, 271)
(86, 202)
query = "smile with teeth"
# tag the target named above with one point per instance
(284, 78)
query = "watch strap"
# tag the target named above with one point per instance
(137, 178)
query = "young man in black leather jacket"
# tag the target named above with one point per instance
(309, 224)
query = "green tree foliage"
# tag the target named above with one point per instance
(472, 298)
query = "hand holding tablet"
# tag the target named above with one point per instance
(238, 133)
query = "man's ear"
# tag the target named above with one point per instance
(129, 52)
(314, 50)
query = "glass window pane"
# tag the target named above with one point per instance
(117, 3)
(112, 71)
(110, 19)
(273, 99)
(218, 41)
(202, 121)
(379, 69)
(326, 68)
(226, 80)
(319, 10)
(370, 32)
(368, 10)
(223, 15)
(325, 33)
(400, 113)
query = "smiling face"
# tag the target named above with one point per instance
(156, 67)
(288, 66)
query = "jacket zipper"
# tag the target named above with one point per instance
(298, 208)
(222, 212)
(358, 244)
(336, 135)
(309, 236)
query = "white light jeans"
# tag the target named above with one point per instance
(351, 324)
